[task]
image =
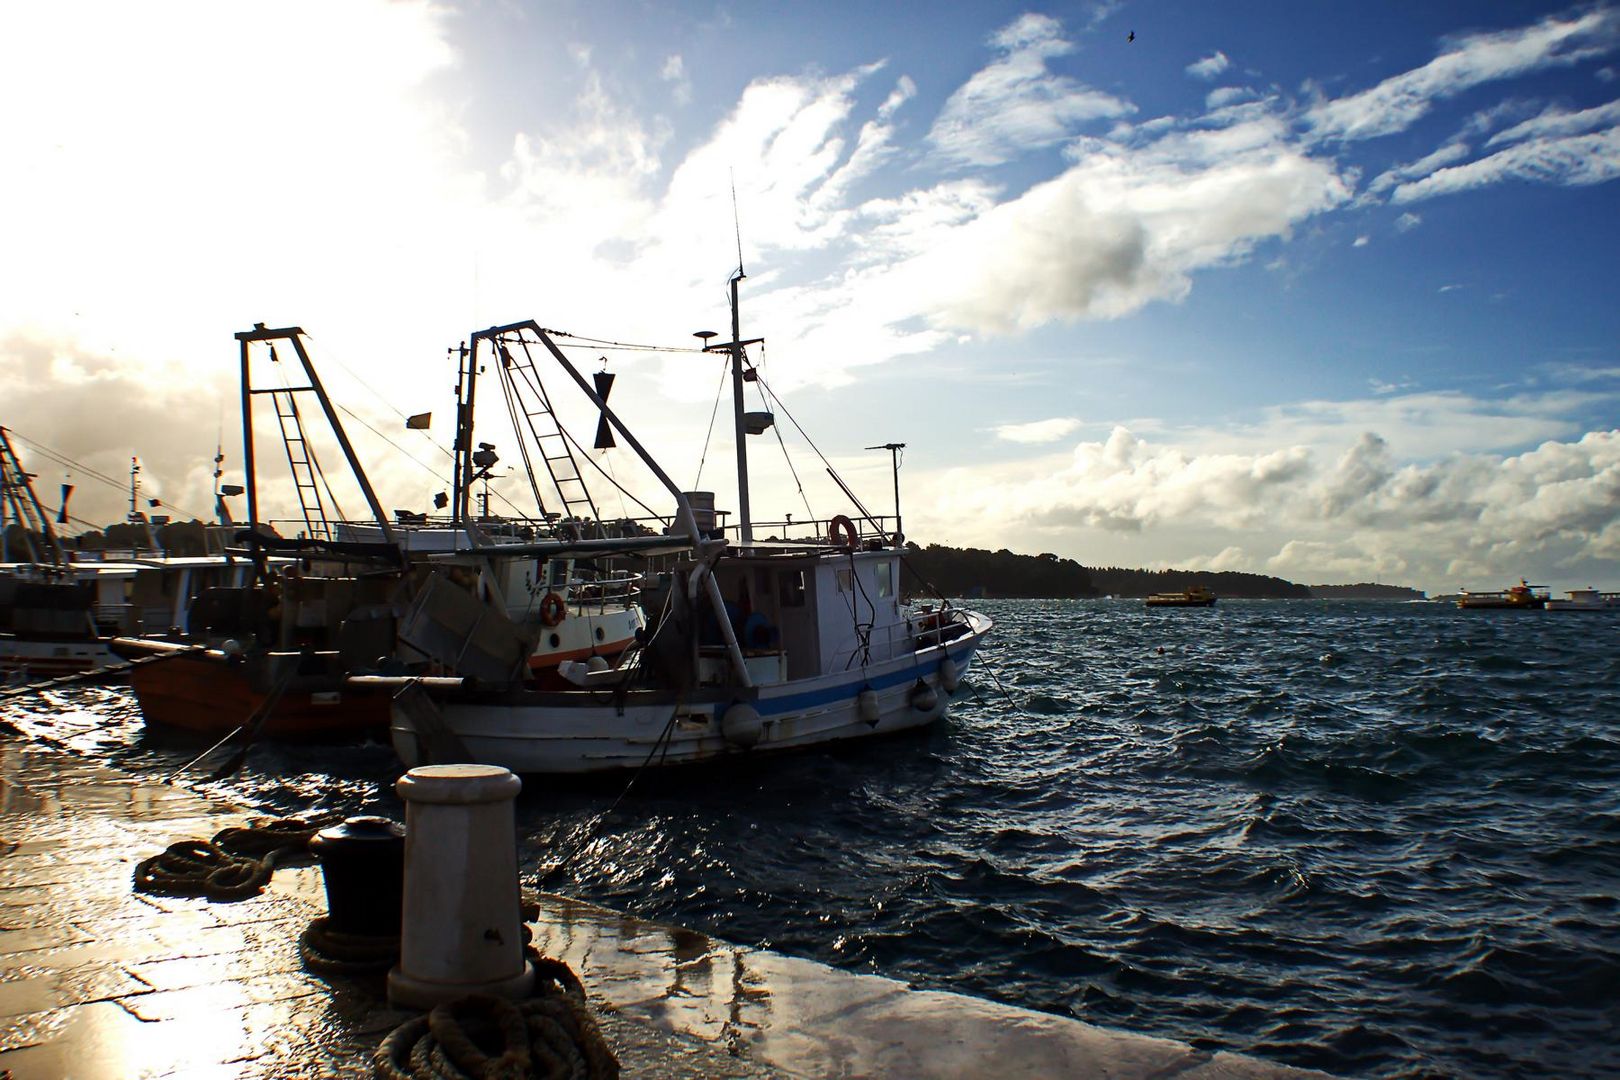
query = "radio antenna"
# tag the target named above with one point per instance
(736, 221)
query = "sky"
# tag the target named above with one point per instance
(1317, 290)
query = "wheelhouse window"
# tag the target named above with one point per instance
(885, 579)
(846, 581)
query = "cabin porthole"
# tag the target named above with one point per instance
(600, 634)
(555, 639)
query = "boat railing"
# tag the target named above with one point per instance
(613, 592)
(868, 532)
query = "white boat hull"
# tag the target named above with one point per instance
(556, 736)
(33, 659)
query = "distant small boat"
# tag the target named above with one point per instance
(1586, 600)
(1521, 597)
(1194, 596)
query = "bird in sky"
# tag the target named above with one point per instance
(1131, 36)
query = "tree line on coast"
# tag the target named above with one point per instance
(925, 571)
(948, 571)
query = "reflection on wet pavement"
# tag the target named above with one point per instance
(99, 981)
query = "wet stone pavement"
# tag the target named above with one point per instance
(98, 981)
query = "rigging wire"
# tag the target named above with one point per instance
(509, 392)
(763, 391)
(59, 458)
(704, 457)
(334, 358)
(659, 744)
(424, 466)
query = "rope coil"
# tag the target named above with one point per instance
(332, 952)
(483, 1037)
(235, 864)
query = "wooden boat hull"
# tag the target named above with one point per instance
(212, 696)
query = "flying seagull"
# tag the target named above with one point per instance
(1131, 36)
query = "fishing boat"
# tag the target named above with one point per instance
(755, 645)
(1192, 596)
(1520, 597)
(274, 653)
(343, 599)
(60, 608)
(583, 611)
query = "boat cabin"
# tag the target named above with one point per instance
(799, 613)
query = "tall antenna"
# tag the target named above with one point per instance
(736, 221)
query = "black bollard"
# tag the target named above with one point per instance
(363, 865)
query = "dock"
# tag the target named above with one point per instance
(98, 981)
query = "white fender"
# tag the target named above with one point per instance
(741, 726)
(866, 704)
(923, 698)
(949, 677)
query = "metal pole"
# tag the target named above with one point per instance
(343, 441)
(247, 436)
(894, 449)
(746, 530)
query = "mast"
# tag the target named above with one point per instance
(466, 391)
(735, 348)
(746, 531)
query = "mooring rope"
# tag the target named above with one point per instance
(235, 864)
(333, 952)
(484, 1037)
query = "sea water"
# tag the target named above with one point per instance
(1375, 839)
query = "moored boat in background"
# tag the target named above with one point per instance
(1192, 596)
(1520, 597)
(1585, 600)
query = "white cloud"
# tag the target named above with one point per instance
(1210, 66)
(1223, 96)
(1122, 227)
(1400, 101)
(1446, 155)
(1558, 122)
(1016, 104)
(1571, 161)
(1361, 241)
(674, 73)
(1038, 431)
(1408, 221)
(1402, 499)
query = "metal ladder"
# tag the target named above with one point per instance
(556, 449)
(304, 466)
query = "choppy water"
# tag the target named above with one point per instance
(1379, 840)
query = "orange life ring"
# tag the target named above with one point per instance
(552, 609)
(842, 524)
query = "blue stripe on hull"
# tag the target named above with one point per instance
(848, 691)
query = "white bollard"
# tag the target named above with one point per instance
(461, 929)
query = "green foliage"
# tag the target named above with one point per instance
(975, 572)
